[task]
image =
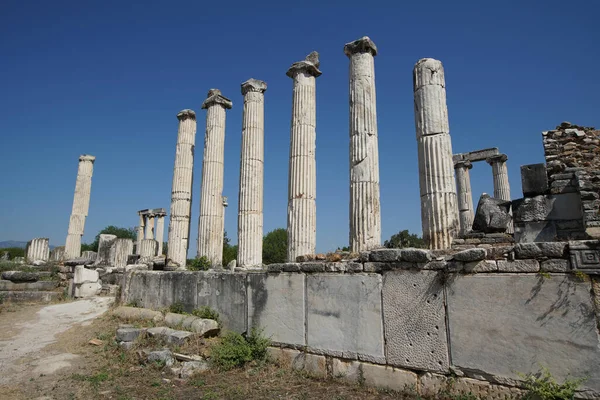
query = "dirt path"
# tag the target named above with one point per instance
(26, 333)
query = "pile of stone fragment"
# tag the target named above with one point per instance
(179, 329)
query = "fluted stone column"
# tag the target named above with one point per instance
(160, 232)
(37, 250)
(140, 232)
(365, 215)
(150, 227)
(181, 192)
(148, 250)
(123, 248)
(81, 205)
(250, 210)
(302, 180)
(439, 211)
(500, 176)
(465, 198)
(211, 221)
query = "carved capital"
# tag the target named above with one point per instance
(499, 158)
(87, 157)
(215, 97)
(185, 114)
(253, 85)
(362, 45)
(310, 65)
(465, 164)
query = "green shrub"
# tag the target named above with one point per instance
(234, 350)
(198, 264)
(177, 308)
(13, 252)
(543, 386)
(206, 313)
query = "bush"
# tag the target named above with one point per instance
(13, 252)
(198, 264)
(176, 308)
(234, 350)
(543, 386)
(207, 313)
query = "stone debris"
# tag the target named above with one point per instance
(37, 250)
(129, 334)
(20, 276)
(163, 356)
(492, 215)
(201, 326)
(470, 255)
(139, 314)
(171, 336)
(184, 357)
(96, 342)
(189, 368)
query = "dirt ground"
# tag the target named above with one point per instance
(45, 354)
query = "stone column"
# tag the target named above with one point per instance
(37, 250)
(150, 227)
(140, 232)
(439, 211)
(181, 192)
(365, 215)
(250, 210)
(302, 180)
(81, 205)
(500, 176)
(160, 232)
(123, 248)
(465, 198)
(106, 250)
(148, 250)
(211, 223)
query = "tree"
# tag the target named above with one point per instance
(404, 239)
(122, 233)
(275, 246)
(229, 251)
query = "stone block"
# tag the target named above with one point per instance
(170, 335)
(87, 289)
(201, 326)
(381, 376)
(503, 324)
(179, 287)
(480, 266)
(415, 255)
(315, 365)
(555, 265)
(135, 289)
(344, 314)
(534, 179)
(129, 334)
(385, 255)
(106, 251)
(26, 296)
(225, 292)
(548, 208)
(276, 303)
(585, 255)
(518, 266)
(283, 357)
(492, 215)
(415, 320)
(20, 276)
(540, 249)
(469, 255)
(84, 275)
(527, 232)
(138, 314)
(19, 286)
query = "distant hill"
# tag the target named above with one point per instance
(15, 243)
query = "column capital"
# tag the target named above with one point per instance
(87, 157)
(253, 85)
(185, 114)
(362, 45)
(465, 164)
(499, 158)
(215, 97)
(428, 71)
(309, 65)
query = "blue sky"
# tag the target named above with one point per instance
(108, 78)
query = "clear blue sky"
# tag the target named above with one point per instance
(108, 78)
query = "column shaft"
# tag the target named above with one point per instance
(81, 205)
(140, 233)
(465, 198)
(160, 231)
(500, 177)
(439, 211)
(181, 191)
(365, 215)
(150, 227)
(250, 209)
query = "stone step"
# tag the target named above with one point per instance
(25, 276)
(31, 286)
(30, 297)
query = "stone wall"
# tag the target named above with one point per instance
(411, 316)
(573, 166)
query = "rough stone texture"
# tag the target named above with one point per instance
(129, 334)
(276, 303)
(470, 255)
(148, 250)
(212, 211)
(518, 265)
(385, 255)
(57, 253)
(123, 248)
(189, 368)
(6, 285)
(106, 253)
(501, 185)
(464, 195)
(302, 178)
(439, 211)
(415, 339)
(492, 215)
(20, 276)
(388, 377)
(415, 255)
(83, 275)
(344, 314)
(89, 255)
(585, 255)
(138, 314)
(435, 386)
(225, 293)
(170, 335)
(534, 180)
(555, 265)
(81, 205)
(87, 289)
(365, 213)
(533, 320)
(26, 296)
(37, 250)
(163, 356)
(250, 210)
(181, 190)
(541, 249)
(202, 326)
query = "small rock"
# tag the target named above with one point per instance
(96, 342)
(184, 357)
(334, 257)
(128, 334)
(320, 257)
(189, 368)
(126, 345)
(38, 263)
(492, 215)
(164, 356)
(231, 265)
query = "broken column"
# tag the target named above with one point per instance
(106, 249)
(302, 180)
(365, 216)
(81, 205)
(122, 249)
(211, 221)
(439, 212)
(181, 192)
(250, 210)
(150, 227)
(500, 176)
(465, 198)
(37, 250)
(160, 231)
(140, 232)
(148, 250)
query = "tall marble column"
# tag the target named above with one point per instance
(250, 210)
(439, 211)
(150, 227)
(465, 198)
(365, 215)
(81, 205)
(302, 180)
(160, 231)
(140, 232)
(500, 176)
(211, 221)
(181, 192)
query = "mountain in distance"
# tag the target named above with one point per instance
(15, 243)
